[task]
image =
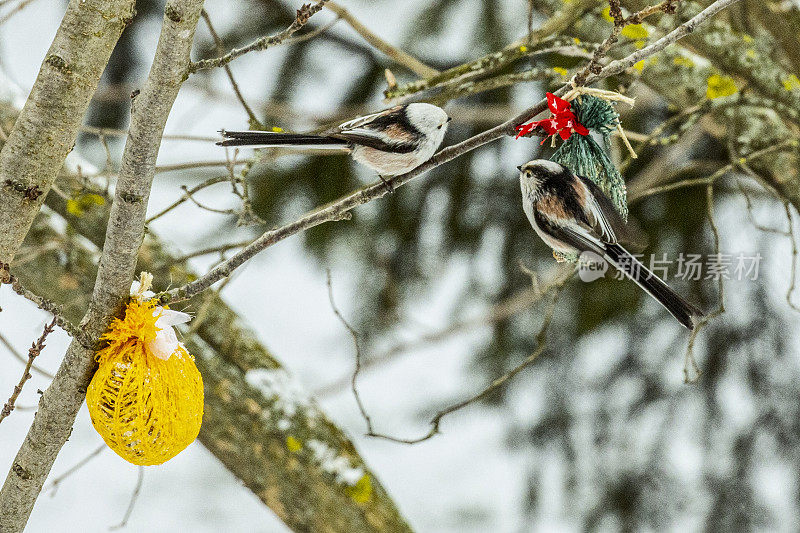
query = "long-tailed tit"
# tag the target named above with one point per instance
(391, 142)
(571, 214)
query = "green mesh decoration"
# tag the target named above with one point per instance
(584, 156)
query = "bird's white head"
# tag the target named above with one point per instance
(534, 173)
(429, 119)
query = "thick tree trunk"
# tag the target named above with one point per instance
(48, 124)
(238, 424)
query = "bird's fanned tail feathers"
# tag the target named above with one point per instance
(266, 138)
(686, 313)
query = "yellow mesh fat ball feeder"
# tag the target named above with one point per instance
(146, 398)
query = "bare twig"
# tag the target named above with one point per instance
(691, 371)
(46, 305)
(53, 486)
(17, 8)
(524, 299)
(313, 33)
(206, 207)
(750, 215)
(793, 277)
(135, 496)
(357, 369)
(191, 165)
(407, 60)
(707, 180)
(116, 132)
(235, 86)
(493, 386)
(24, 360)
(789, 233)
(62, 400)
(35, 349)
(221, 249)
(186, 195)
(338, 210)
(303, 15)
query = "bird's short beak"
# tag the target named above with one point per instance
(519, 168)
(449, 119)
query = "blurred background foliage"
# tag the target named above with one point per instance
(610, 405)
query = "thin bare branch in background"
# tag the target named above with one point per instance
(235, 86)
(354, 377)
(42, 303)
(496, 384)
(115, 132)
(24, 360)
(691, 370)
(793, 277)
(35, 349)
(15, 10)
(206, 207)
(187, 194)
(134, 496)
(742, 163)
(338, 209)
(193, 165)
(240, 187)
(522, 300)
(303, 16)
(221, 249)
(316, 32)
(788, 144)
(398, 56)
(56, 482)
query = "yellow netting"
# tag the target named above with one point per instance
(146, 409)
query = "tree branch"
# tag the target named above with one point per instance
(620, 65)
(303, 15)
(339, 209)
(395, 54)
(497, 383)
(61, 401)
(247, 428)
(43, 304)
(48, 125)
(35, 349)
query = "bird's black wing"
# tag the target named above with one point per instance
(388, 131)
(608, 221)
(375, 139)
(570, 233)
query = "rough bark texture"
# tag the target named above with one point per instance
(242, 426)
(48, 124)
(237, 426)
(61, 401)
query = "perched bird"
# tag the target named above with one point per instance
(571, 214)
(391, 142)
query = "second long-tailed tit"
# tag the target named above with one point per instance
(391, 142)
(571, 214)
